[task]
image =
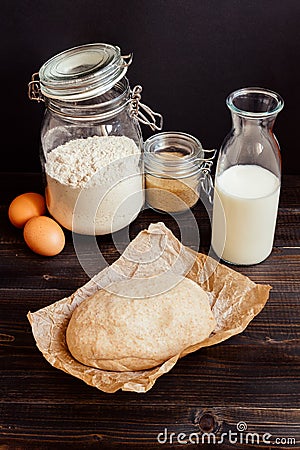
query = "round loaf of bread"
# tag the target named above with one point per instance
(119, 333)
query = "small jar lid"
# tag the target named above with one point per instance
(83, 72)
(173, 154)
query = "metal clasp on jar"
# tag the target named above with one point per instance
(206, 179)
(140, 111)
(34, 88)
(127, 60)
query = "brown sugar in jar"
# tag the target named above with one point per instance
(175, 166)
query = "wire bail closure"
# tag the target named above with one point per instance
(127, 60)
(206, 179)
(138, 109)
(156, 120)
(34, 88)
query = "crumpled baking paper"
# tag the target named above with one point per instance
(235, 300)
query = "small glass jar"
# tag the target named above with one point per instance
(91, 141)
(176, 167)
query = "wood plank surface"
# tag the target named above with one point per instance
(251, 378)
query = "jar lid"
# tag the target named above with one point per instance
(83, 72)
(173, 154)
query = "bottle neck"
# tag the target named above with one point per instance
(254, 107)
(246, 124)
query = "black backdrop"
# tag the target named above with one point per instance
(188, 56)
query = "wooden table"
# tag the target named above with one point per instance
(252, 378)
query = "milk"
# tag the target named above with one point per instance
(244, 214)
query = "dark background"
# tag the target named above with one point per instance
(188, 56)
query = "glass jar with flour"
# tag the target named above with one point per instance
(91, 140)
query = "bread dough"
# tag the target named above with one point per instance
(112, 331)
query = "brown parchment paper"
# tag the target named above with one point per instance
(235, 300)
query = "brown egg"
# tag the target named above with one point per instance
(25, 206)
(44, 236)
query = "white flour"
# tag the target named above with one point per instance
(95, 184)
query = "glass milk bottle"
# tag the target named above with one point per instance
(247, 180)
